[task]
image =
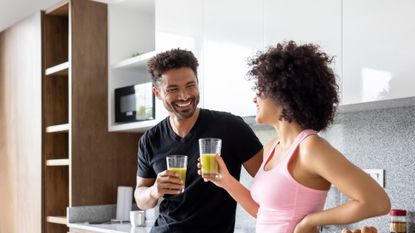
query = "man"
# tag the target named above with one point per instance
(202, 207)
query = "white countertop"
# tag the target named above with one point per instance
(110, 227)
(120, 228)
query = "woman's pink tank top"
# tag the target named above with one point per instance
(283, 202)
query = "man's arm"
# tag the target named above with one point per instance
(142, 193)
(253, 164)
(149, 190)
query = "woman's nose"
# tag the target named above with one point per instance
(254, 99)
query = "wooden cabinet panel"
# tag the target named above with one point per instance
(83, 162)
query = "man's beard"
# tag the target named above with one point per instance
(184, 114)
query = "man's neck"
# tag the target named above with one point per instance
(182, 127)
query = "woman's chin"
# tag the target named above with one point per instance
(258, 120)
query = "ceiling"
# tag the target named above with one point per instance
(12, 11)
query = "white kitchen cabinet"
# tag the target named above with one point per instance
(179, 25)
(379, 50)
(233, 31)
(221, 34)
(224, 34)
(305, 21)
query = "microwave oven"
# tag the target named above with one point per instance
(134, 103)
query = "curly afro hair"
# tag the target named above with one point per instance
(172, 59)
(300, 80)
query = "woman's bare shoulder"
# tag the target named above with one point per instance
(315, 149)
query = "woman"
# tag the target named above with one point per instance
(297, 96)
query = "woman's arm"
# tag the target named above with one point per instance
(238, 192)
(368, 199)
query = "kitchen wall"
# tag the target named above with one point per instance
(371, 139)
(21, 127)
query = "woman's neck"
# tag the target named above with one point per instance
(287, 132)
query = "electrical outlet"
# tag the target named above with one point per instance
(377, 175)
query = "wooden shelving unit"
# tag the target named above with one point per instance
(57, 162)
(59, 70)
(57, 219)
(56, 117)
(58, 128)
(82, 162)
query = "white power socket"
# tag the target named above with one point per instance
(377, 175)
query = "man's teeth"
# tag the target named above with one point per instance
(184, 104)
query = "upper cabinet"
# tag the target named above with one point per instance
(370, 42)
(316, 21)
(378, 50)
(131, 43)
(233, 32)
(221, 43)
(178, 25)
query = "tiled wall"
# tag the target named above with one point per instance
(377, 139)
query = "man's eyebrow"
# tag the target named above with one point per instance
(172, 85)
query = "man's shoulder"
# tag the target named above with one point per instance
(156, 131)
(221, 115)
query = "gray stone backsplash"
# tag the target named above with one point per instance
(371, 139)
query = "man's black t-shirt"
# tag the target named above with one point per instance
(202, 207)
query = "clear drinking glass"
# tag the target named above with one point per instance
(178, 164)
(208, 148)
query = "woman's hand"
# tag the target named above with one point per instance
(224, 176)
(237, 191)
(304, 227)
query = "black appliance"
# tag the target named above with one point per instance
(134, 103)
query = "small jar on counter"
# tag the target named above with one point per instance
(397, 221)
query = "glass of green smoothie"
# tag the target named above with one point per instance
(208, 148)
(178, 164)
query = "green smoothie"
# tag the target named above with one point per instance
(181, 171)
(210, 168)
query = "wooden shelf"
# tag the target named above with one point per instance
(59, 70)
(57, 162)
(58, 128)
(137, 62)
(57, 219)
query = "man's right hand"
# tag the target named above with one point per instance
(167, 182)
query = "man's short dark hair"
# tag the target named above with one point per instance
(172, 59)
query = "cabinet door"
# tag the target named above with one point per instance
(178, 24)
(232, 32)
(379, 50)
(303, 21)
